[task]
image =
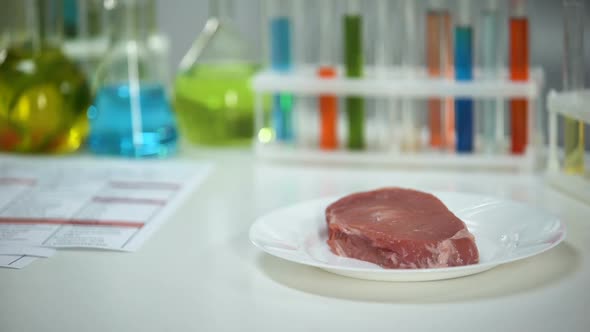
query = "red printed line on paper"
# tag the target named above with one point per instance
(127, 200)
(78, 222)
(144, 185)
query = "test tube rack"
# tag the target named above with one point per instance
(573, 104)
(398, 84)
(86, 52)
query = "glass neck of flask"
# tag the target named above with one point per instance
(132, 20)
(33, 24)
(223, 10)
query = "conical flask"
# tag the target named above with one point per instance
(131, 115)
(43, 94)
(213, 97)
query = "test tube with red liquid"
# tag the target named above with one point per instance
(519, 72)
(327, 103)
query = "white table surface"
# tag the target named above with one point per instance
(199, 272)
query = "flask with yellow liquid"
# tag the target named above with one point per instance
(43, 94)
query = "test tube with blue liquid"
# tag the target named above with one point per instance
(464, 121)
(71, 18)
(281, 60)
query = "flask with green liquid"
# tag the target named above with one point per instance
(43, 94)
(213, 98)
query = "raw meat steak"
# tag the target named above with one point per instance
(399, 228)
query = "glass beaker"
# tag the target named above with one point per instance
(131, 115)
(43, 94)
(213, 97)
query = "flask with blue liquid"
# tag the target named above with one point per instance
(131, 115)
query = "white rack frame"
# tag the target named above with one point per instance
(573, 104)
(399, 83)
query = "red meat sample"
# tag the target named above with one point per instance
(399, 228)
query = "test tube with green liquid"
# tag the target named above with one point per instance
(573, 79)
(353, 61)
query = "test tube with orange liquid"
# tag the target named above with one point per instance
(439, 60)
(327, 103)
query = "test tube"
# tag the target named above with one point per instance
(493, 117)
(71, 18)
(327, 104)
(281, 60)
(464, 72)
(573, 79)
(305, 119)
(411, 139)
(519, 71)
(449, 73)
(439, 63)
(382, 119)
(354, 62)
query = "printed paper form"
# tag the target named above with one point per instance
(15, 250)
(17, 257)
(111, 205)
(15, 262)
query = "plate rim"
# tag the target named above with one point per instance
(561, 230)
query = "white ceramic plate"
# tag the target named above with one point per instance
(505, 231)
